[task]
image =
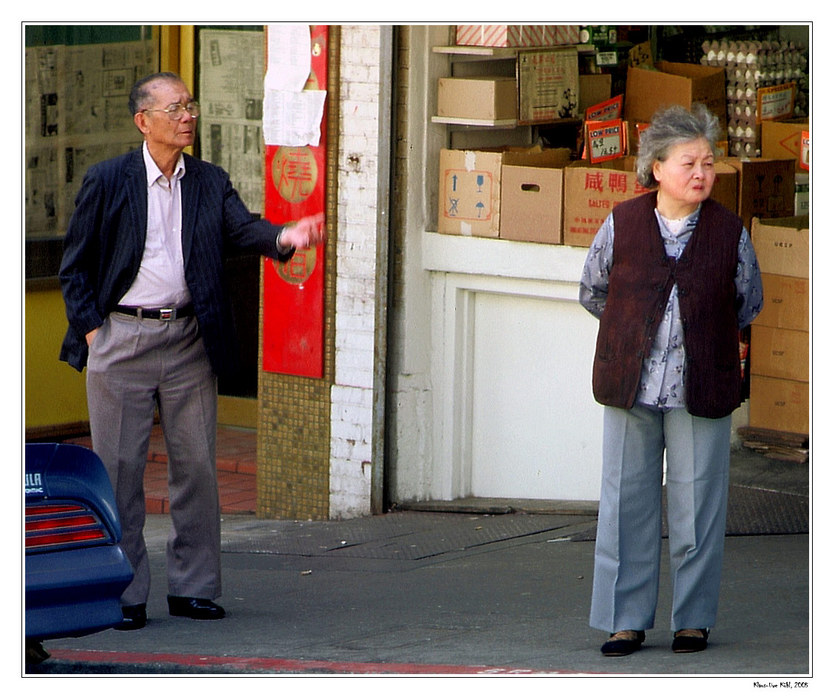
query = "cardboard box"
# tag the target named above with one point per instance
(633, 140)
(560, 34)
(766, 188)
(675, 83)
(779, 404)
(782, 245)
(517, 35)
(785, 303)
(590, 192)
(781, 140)
(549, 84)
(780, 353)
(478, 98)
(531, 202)
(594, 89)
(469, 196)
(726, 186)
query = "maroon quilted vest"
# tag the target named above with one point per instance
(640, 282)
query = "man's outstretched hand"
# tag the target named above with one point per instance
(307, 232)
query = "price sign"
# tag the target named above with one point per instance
(805, 150)
(605, 140)
(606, 111)
(775, 102)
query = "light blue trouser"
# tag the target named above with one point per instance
(628, 549)
(134, 366)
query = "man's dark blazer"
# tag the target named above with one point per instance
(105, 241)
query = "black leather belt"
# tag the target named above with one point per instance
(163, 314)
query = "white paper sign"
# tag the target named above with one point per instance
(292, 115)
(288, 57)
(293, 118)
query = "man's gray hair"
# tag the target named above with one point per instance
(669, 127)
(140, 93)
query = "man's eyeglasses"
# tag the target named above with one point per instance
(175, 111)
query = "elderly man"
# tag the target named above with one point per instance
(142, 279)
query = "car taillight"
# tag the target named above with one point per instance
(51, 525)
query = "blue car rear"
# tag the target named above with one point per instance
(75, 569)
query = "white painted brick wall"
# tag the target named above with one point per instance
(352, 393)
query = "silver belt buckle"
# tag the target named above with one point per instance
(167, 314)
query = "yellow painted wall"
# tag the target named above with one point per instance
(54, 393)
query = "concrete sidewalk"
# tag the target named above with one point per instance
(446, 593)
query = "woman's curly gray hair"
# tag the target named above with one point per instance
(669, 127)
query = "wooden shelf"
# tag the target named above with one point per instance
(501, 123)
(477, 53)
(481, 53)
(490, 123)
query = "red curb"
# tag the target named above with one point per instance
(252, 664)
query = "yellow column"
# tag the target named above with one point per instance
(176, 54)
(187, 58)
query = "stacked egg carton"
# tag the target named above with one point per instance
(750, 65)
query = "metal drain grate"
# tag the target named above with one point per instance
(753, 511)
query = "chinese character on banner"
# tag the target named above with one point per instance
(293, 333)
(295, 173)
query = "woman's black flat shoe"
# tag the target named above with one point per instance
(623, 643)
(689, 640)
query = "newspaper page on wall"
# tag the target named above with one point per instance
(76, 114)
(231, 105)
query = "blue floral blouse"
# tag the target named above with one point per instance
(662, 377)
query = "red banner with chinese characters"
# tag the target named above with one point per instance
(293, 333)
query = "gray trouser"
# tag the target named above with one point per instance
(135, 365)
(628, 548)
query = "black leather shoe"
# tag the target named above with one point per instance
(195, 608)
(689, 640)
(134, 617)
(623, 643)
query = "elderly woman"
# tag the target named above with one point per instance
(672, 276)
